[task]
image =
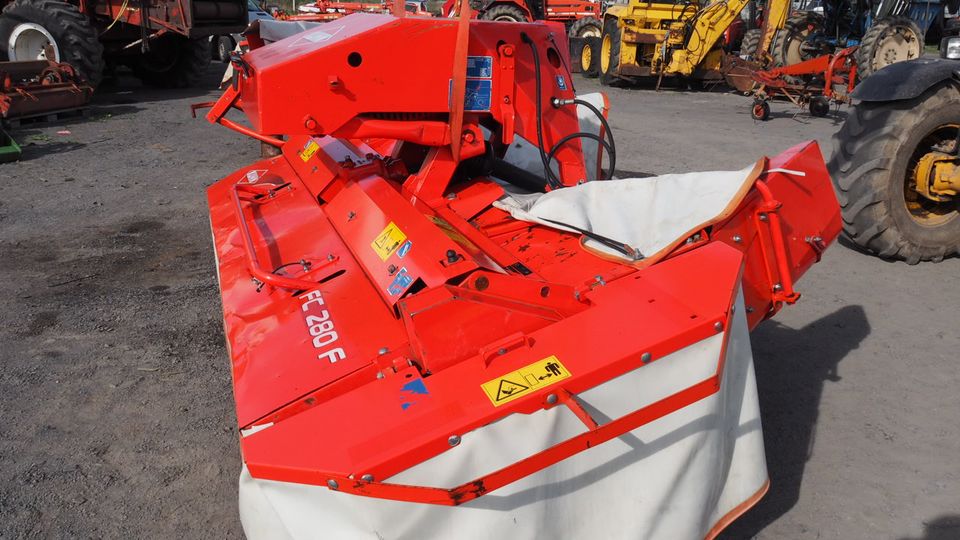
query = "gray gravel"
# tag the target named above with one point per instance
(117, 414)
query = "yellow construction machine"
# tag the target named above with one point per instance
(682, 39)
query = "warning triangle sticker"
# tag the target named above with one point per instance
(509, 388)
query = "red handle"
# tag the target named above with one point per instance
(253, 265)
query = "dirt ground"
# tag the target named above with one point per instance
(117, 413)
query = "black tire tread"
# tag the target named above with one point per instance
(580, 24)
(498, 11)
(610, 27)
(76, 37)
(871, 38)
(594, 44)
(795, 23)
(861, 166)
(750, 43)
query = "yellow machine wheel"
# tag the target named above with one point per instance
(610, 52)
(590, 57)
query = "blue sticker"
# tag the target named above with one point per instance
(404, 249)
(477, 96)
(410, 391)
(400, 282)
(561, 82)
(480, 67)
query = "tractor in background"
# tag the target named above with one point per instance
(165, 42)
(895, 163)
(581, 17)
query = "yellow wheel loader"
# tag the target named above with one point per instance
(646, 39)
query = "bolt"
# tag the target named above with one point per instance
(777, 287)
(506, 99)
(763, 217)
(454, 440)
(452, 256)
(502, 351)
(383, 351)
(468, 137)
(737, 239)
(334, 81)
(451, 196)
(392, 269)
(646, 358)
(332, 484)
(367, 478)
(749, 309)
(330, 257)
(551, 399)
(599, 279)
(507, 50)
(718, 326)
(350, 215)
(380, 375)
(310, 123)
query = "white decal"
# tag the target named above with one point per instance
(321, 329)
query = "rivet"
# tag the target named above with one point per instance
(749, 309)
(777, 287)
(367, 478)
(379, 374)
(737, 238)
(551, 399)
(646, 357)
(718, 326)
(451, 196)
(332, 484)
(502, 351)
(763, 217)
(383, 350)
(392, 269)
(454, 440)
(330, 257)
(351, 214)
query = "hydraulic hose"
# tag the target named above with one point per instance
(552, 181)
(611, 147)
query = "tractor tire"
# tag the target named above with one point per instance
(786, 46)
(585, 27)
(225, 46)
(750, 43)
(173, 62)
(590, 58)
(609, 52)
(874, 157)
(33, 23)
(504, 12)
(889, 40)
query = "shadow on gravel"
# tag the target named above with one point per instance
(945, 527)
(793, 366)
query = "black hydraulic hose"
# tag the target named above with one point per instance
(548, 174)
(611, 147)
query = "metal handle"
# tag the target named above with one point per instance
(253, 265)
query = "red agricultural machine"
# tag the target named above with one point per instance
(443, 325)
(165, 42)
(580, 17)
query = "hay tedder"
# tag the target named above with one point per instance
(443, 320)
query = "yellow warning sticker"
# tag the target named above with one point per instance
(525, 380)
(388, 241)
(309, 150)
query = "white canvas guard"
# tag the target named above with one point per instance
(684, 476)
(652, 215)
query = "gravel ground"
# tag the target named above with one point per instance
(115, 389)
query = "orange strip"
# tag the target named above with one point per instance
(740, 510)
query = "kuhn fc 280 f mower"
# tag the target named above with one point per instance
(442, 324)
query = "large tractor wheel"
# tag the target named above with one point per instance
(504, 12)
(609, 52)
(889, 40)
(750, 43)
(590, 58)
(173, 62)
(585, 27)
(875, 171)
(789, 46)
(27, 27)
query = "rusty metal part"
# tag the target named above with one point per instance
(41, 86)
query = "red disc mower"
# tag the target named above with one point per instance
(445, 322)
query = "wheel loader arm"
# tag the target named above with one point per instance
(709, 25)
